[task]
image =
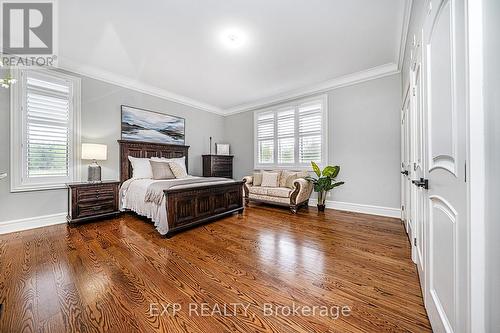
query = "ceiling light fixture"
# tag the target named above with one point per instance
(233, 38)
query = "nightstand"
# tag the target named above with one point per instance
(89, 201)
(218, 166)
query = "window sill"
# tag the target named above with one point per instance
(39, 187)
(284, 167)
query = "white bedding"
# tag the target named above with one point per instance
(133, 192)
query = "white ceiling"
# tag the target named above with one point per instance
(172, 48)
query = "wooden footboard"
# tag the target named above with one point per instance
(193, 206)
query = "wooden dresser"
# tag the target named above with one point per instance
(218, 166)
(92, 200)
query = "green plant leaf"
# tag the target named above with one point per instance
(329, 171)
(316, 169)
(336, 171)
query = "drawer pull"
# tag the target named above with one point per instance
(96, 207)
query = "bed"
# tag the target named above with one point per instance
(183, 204)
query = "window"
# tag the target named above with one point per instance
(291, 135)
(45, 117)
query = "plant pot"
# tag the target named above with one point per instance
(321, 208)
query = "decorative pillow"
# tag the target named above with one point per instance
(257, 178)
(180, 160)
(279, 174)
(270, 179)
(161, 170)
(141, 168)
(177, 170)
(284, 176)
(302, 174)
(289, 181)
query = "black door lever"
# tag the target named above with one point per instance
(405, 172)
(421, 183)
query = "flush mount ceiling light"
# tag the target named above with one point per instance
(233, 38)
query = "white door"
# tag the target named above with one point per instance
(405, 163)
(446, 235)
(418, 210)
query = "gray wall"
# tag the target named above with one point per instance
(363, 138)
(492, 140)
(239, 134)
(101, 124)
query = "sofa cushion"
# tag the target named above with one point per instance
(302, 174)
(267, 198)
(281, 192)
(257, 178)
(270, 179)
(258, 190)
(289, 181)
(284, 176)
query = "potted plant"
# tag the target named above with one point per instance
(324, 183)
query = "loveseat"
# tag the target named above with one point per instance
(287, 188)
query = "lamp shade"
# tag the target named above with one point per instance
(92, 151)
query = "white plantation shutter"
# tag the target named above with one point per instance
(48, 128)
(286, 139)
(265, 138)
(45, 133)
(310, 132)
(292, 135)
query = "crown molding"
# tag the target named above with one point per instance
(343, 81)
(132, 84)
(135, 85)
(400, 52)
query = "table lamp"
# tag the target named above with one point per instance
(94, 152)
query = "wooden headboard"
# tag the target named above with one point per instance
(146, 150)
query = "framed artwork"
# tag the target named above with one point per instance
(149, 126)
(222, 149)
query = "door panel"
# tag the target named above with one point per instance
(442, 238)
(443, 128)
(406, 164)
(446, 296)
(419, 169)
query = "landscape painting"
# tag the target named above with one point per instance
(148, 126)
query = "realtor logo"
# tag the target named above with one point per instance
(27, 28)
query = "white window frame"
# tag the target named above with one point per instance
(281, 107)
(20, 182)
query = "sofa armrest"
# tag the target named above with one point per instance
(248, 182)
(302, 191)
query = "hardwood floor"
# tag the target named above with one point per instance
(120, 275)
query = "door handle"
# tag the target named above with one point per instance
(405, 172)
(421, 183)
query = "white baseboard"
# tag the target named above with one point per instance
(32, 223)
(360, 208)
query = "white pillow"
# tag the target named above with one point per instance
(179, 160)
(141, 168)
(270, 179)
(178, 170)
